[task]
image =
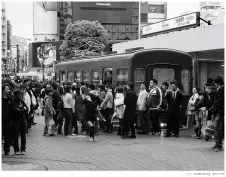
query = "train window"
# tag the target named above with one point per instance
(185, 80)
(85, 76)
(78, 76)
(163, 75)
(139, 75)
(95, 79)
(62, 76)
(107, 75)
(122, 76)
(70, 76)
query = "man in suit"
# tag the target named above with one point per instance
(130, 102)
(174, 99)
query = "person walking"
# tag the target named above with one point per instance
(218, 113)
(174, 99)
(6, 118)
(49, 113)
(154, 102)
(68, 104)
(142, 121)
(130, 102)
(20, 113)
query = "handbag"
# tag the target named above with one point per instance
(210, 128)
(60, 104)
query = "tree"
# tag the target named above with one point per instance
(83, 38)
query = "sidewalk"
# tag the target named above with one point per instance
(146, 152)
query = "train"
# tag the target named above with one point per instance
(136, 67)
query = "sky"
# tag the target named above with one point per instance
(20, 14)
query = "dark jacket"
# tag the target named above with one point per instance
(130, 101)
(56, 99)
(20, 110)
(218, 104)
(6, 109)
(174, 105)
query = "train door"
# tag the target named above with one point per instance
(162, 73)
(107, 76)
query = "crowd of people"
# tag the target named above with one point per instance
(65, 104)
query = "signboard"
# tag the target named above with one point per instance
(174, 23)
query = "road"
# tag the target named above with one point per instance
(147, 152)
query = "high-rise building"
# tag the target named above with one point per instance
(46, 21)
(120, 19)
(4, 32)
(4, 40)
(212, 11)
(10, 63)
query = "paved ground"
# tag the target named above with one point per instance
(152, 153)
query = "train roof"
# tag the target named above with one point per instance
(124, 56)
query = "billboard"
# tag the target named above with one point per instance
(104, 12)
(46, 52)
(44, 22)
(172, 24)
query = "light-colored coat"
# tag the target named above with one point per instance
(108, 101)
(142, 99)
(119, 105)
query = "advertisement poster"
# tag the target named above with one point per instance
(46, 53)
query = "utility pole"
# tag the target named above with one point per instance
(17, 59)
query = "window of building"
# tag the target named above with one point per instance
(78, 76)
(85, 77)
(144, 17)
(107, 75)
(163, 75)
(70, 76)
(139, 75)
(185, 81)
(122, 76)
(95, 79)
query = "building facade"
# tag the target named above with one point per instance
(212, 11)
(10, 63)
(23, 52)
(152, 12)
(46, 21)
(4, 40)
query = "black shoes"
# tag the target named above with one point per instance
(176, 136)
(133, 136)
(167, 135)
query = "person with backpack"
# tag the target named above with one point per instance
(49, 112)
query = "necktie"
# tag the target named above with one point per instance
(174, 96)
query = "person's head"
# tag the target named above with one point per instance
(5, 89)
(107, 87)
(142, 86)
(18, 94)
(48, 86)
(195, 90)
(77, 90)
(125, 88)
(54, 86)
(165, 85)
(85, 90)
(48, 92)
(27, 83)
(23, 89)
(130, 86)
(101, 87)
(60, 90)
(92, 87)
(153, 82)
(74, 84)
(119, 89)
(73, 88)
(218, 81)
(174, 85)
(67, 89)
(209, 81)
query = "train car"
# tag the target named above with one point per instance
(136, 67)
